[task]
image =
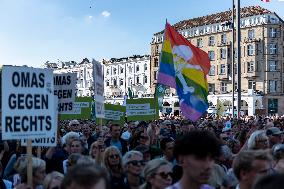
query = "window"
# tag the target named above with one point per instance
(211, 40)
(130, 69)
(272, 85)
(107, 72)
(251, 84)
(114, 71)
(222, 69)
(155, 75)
(120, 82)
(223, 87)
(121, 70)
(137, 79)
(223, 53)
(250, 67)
(251, 34)
(114, 82)
(272, 48)
(107, 83)
(129, 81)
(224, 38)
(156, 63)
(272, 65)
(211, 55)
(199, 42)
(212, 70)
(211, 87)
(145, 79)
(272, 32)
(137, 68)
(145, 67)
(250, 50)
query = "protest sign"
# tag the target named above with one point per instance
(27, 103)
(64, 89)
(99, 89)
(81, 109)
(115, 113)
(143, 109)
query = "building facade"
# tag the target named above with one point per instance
(262, 57)
(84, 70)
(127, 75)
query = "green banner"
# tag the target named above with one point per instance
(115, 113)
(82, 109)
(143, 109)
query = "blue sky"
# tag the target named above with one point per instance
(35, 31)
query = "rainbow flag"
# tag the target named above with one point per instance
(184, 67)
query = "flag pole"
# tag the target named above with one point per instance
(238, 39)
(233, 59)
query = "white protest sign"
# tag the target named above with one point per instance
(64, 89)
(113, 115)
(99, 89)
(77, 106)
(27, 103)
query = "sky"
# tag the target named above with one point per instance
(35, 31)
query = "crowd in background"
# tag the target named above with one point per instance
(171, 153)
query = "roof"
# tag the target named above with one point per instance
(219, 17)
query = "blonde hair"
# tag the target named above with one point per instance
(49, 177)
(108, 150)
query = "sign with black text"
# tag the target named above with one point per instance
(99, 89)
(27, 103)
(64, 89)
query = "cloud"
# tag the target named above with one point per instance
(90, 17)
(106, 14)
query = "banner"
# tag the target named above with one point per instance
(27, 103)
(82, 109)
(143, 109)
(99, 89)
(115, 113)
(64, 89)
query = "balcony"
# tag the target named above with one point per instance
(222, 44)
(223, 77)
(251, 74)
(251, 40)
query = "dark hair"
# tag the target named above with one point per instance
(85, 175)
(199, 143)
(113, 125)
(164, 141)
(275, 181)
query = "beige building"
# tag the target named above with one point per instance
(262, 57)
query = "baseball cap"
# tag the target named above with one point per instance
(278, 151)
(167, 122)
(273, 131)
(74, 122)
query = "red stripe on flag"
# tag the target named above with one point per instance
(266, 1)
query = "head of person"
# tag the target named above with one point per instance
(258, 140)
(195, 152)
(167, 146)
(158, 174)
(275, 135)
(275, 181)
(86, 129)
(133, 162)
(112, 158)
(115, 131)
(144, 138)
(86, 176)
(53, 180)
(38, 167)
(145, 150)
(77, 146)
(96, 149)
(186, 126)
(250, 165)
(74, 125)
(278, 156)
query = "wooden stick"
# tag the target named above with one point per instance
(30, 163)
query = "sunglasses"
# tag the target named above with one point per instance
(114, 156)
(165, 175)
(136, 162)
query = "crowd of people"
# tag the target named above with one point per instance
(171, 153)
